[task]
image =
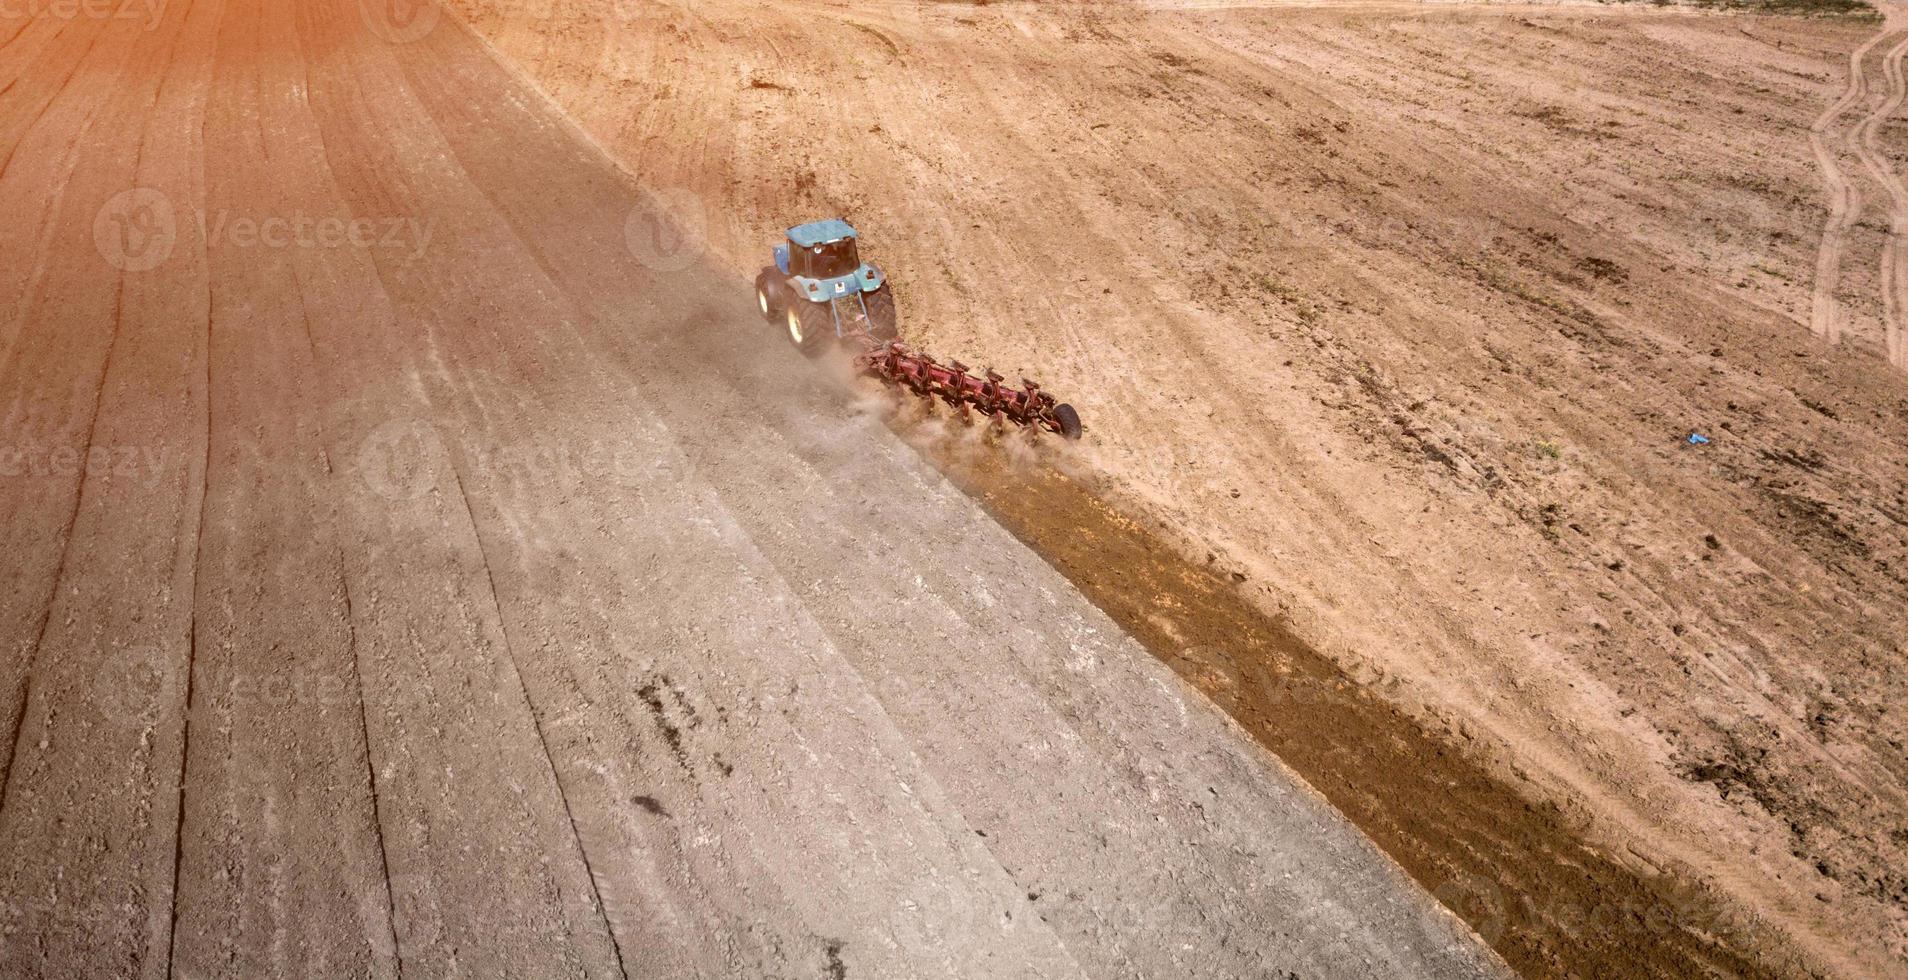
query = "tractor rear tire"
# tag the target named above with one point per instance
(810, 325)
(1069, 420)
(883, 318)
(766, 299)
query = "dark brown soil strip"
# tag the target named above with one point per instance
(1510, 866)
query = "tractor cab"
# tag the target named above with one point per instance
(820, 289)
(819, 250)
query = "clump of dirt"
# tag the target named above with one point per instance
(1510, 866)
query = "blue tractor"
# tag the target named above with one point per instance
(821, 291)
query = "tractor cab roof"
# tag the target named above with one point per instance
(820, 232)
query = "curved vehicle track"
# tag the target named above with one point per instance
(1874, 157)
(1844, 203)
(415, 567)
(1828, 318)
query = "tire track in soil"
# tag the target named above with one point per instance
(536, 724)
(1825, 312)
(1874, 158)
(436, 918)
(370, 765)
(77, 874)
(30, 658)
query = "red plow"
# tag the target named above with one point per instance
(985, 393)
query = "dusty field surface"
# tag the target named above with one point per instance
(1518, 871)
(1400, 317)
(407, 575)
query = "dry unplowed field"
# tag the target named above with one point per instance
(1401, 316)
(406, 574)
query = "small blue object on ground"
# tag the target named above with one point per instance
(1698, 439)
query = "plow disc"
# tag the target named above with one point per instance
(985, 393)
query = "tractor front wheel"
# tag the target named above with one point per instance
(883, 318)
(765, 298)
(809, 325)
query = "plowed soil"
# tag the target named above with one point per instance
(1405, 314)
(1514, 866)
(407, 574)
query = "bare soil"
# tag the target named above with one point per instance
(1405, 313)
(1515, 867)
(407, 575)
